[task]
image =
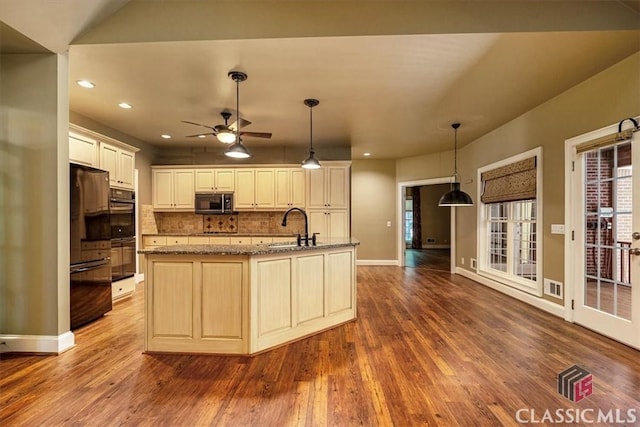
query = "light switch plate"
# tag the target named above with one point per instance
(557, 228)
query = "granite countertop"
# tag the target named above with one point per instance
(292, 235)
(261, 249)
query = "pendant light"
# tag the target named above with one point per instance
(311, 162)
(455, 197)
(237, 150)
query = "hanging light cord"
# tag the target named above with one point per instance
(237, 110)
(455, 127)
(311, 129)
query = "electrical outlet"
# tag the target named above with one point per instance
(474, 263)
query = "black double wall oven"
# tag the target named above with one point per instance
(123, 234)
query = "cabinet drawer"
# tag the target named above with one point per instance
(240, 240)
(261, 240)
(148, 241)
(219, 240)
(198, 240)
(177, 240)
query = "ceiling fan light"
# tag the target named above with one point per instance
(237, 151)
(455, 197)
(226, 137)
(311, 162)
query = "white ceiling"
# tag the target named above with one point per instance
(382, 89)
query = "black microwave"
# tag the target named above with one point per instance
(214, 203)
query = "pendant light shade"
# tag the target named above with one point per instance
(311, 162)
(455, 197)
(237, 150)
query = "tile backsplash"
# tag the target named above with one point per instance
(241, 222)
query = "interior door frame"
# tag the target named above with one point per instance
(574, 224)
(401, 198)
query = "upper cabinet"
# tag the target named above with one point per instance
(119, 163)
(290, 188)
(328, 187)
(83, 150)
(216, 180)
(173, 190)
(92, 149)
(254, 189)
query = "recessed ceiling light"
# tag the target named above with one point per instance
(366, 154)
(165, 136)
(125, 105)
(86, 83)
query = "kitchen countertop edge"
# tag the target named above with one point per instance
(257, 249)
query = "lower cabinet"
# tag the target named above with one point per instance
(198, 305)
(227, 304)
(122, 288)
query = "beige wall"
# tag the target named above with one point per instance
(373, 203)
(34, 195)
(436, 220)
(603, 99)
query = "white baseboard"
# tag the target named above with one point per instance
(392, 262)
(542, 304)
(37, 343)
(139, 277)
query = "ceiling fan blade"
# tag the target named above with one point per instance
(199, 134)
(257, 134)
(243, 123)
(198, 124)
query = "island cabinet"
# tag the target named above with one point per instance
(247, 300)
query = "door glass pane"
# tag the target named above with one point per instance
(608, 224)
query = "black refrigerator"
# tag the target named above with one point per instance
(90, 244)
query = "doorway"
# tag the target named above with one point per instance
(428, 252)
(603, 261)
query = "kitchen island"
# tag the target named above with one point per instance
(245, 299)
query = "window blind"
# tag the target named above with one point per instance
(515, 181)
(604, 141)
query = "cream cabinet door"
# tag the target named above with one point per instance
(126, 168)
(337, 193)
(319, 223)
(204, 180)
(264, 188)
(109, 162)
(338, 223)
(162, 184)
(183, 193)
(83, 150)
(316, 189)
(298, 187)
(244, 194)
(225, 179)
(283, 188)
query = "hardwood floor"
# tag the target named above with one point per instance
(428, 348)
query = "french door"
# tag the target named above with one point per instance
(604, 249)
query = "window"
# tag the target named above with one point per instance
(512, 238)
(408, 220)
(508, 243)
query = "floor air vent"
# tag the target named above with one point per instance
(553, 288)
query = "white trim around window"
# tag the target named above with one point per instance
(534, 287)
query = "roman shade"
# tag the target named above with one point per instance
(515, 181)
(604, 141)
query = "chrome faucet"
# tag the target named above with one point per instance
(300, 239)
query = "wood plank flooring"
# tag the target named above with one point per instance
(428, 348)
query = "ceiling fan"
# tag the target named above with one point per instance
(227, 133)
